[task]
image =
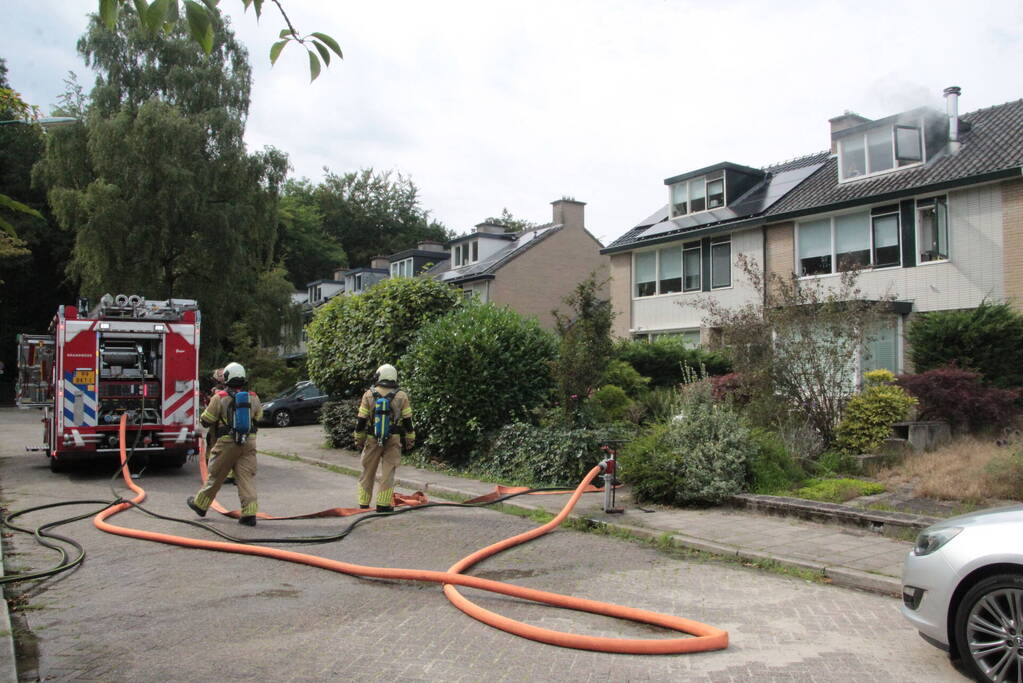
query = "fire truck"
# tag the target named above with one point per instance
(127, 355)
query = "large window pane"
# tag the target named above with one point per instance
(853, 156)
(697, 195)
(933, 220)
(691, 268)
(879, 150)
(721, 265)
(908, 149)
(852, 240)
(646, 273)
(716, 193)
(680, 199)
(886, 240)
(815, 247)
(671, 270)
(880, 352)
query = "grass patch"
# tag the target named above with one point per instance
(968, 469)
(837, 490)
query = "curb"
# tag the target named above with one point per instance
(880, 522)
(846, 577)
(8, 672)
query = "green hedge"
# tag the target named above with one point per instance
(339, 419)
(352, 335)
(662, 360)
(541, 456)
(473, 371)
(700, 456)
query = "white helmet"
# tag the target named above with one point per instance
(234, 374)
(386, 376)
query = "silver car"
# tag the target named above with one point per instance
(962, 587)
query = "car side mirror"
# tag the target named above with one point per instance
(300, 398)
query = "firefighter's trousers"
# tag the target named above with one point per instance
(228, 455)
(385, 458)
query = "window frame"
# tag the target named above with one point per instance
(835, 269)
(657, 254)
(924, 203)
(897, 165)
(687, 184)
(716, 242)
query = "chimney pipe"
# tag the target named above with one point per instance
(952, 110)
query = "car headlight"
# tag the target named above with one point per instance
(929, 541)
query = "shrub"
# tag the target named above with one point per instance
(339, 419)
(610, 404)
(585, 345)
(662, 360)
(541, 456)
(870, 414)
(837, 490)
(701, 456)
(987, 339)
(730, 387)
(960, 398)
(658, 404)
(351, 336)
(473, 371)
(772, 468)
(621, 374)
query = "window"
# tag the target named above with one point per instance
(879, 149)
(715, 193)
(721, 263)
(815, 247)
(670, 279)
(886, 240)
(402, 268)
(646, 273)
(461, 253)
(856, 240)
(475, 251)
(691, 267)
(668, 271)
(880, 351)
(358, 283)
(698, 194)
(932, 217)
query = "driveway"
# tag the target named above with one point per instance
(150, 612)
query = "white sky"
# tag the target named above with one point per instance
(488, 104)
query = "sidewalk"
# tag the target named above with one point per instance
(846, 556)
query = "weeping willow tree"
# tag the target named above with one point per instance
(156, 184)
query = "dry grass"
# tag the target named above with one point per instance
(968, 469)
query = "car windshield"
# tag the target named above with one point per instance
(287, 393)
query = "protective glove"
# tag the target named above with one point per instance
(360, 440)
(410, 443)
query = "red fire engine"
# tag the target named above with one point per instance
(127, 355)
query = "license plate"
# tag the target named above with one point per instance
(84, 377)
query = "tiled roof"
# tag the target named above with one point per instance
(992, 142)
(521, 242)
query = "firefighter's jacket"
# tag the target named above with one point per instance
(217, 415)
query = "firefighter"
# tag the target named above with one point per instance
(386, 411)
(228, 453)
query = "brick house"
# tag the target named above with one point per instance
(530, 271)
(929, 204)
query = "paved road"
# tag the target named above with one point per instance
(149, 612)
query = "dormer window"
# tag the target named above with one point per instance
(402, 268)
(698, 194)
(466, 253)
(879, 150)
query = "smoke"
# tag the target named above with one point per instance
(893, 95)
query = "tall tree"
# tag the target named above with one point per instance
(32, 277)
(308, 251)
(156, 184)
(375, 213)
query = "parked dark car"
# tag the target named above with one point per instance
(300, 403)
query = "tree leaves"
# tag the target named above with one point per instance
(203, 18)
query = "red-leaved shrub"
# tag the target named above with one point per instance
(730, 386)
(960, 397)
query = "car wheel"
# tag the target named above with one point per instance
(989, 628)
(282, 418)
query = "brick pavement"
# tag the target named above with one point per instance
(148, 612)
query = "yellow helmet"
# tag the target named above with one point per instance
(387, 376)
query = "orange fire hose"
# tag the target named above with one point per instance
(703, 638)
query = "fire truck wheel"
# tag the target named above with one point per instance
(282, 418)
(176, 461)
(58, 465)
